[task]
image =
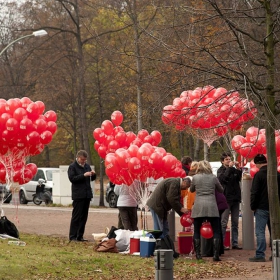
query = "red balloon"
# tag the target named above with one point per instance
(40, 125)
(237, 142)
(155, 160)
(156, 136)
(26, 126)
(50, 116)
(33, 111)
(46, 137)
(3, 149)
(169, 163)
(123, 157)
(33, 138)
(3, 175)
(96, 145)
(107, 127)
(134, 165)
(41, 107)
(98, 134)
(133, 150)
(130, 137)
(113, 146)
(142, 134)
(186, 220)
(19, 114)
(32, 167)
(2, 107)
(143, 155)
(3, 119)
(12, 125)
(252, 134)
(102, 151)
(206, 230)
(248, 150)
(51, 126)
(149, 139)
(27, 175)
(117, 129)
(25, 101)
(253, 171)
(277, 143)
(117, 117)
(120, 137)
(12, 104)
(111, 163)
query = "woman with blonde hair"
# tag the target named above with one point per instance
(204, 183)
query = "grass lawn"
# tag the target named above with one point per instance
(46, 257)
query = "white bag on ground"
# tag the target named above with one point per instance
(123, 239)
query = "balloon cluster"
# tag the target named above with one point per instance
(130, 157)
(208, 109)
(24, 131)
(254, 143)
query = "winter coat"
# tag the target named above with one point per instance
(259, 193)
(221, 201)
(230, 178)
(80, 187)
(205, 204)
(126, 195)
(165, 197)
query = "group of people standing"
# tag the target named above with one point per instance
(209, 197)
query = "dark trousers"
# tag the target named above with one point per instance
(129, 217)
(79, 218)
(214, 221)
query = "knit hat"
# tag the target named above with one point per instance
(260, 159)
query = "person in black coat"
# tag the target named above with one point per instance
(80, 175)
(229, 175)
(259, 203)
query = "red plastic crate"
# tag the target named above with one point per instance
(185, 242)
(227, 238)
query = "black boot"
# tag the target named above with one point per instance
(216, 249)
(197, 248)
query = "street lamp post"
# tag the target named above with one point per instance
(38, 33)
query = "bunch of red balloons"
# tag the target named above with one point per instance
(130, 157)
(24, 131)
(254, 143)
(209, 108)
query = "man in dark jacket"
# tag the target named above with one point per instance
(229, 175)
(260, 205)
(80, 175)
(165, 197)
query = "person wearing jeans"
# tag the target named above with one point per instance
(260, 205)
(167, 196)
(229, 175)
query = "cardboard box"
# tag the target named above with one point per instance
(185, 242)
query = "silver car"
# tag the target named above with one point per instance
(29, 189)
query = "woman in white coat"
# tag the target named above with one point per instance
(127, 205)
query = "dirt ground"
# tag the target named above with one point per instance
(54, 221)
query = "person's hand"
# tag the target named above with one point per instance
(87, 174)
(184, 210)
(231, 164)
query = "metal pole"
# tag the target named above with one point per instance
(163, 264)
(247, 214)
(171, 224)
(276, 259)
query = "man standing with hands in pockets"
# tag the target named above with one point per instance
(229, 175)
(80, 175)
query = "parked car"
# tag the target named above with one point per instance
(5, 193)
(111, 197)
(29, 189)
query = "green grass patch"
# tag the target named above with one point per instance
(46, 257)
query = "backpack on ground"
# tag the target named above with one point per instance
(166, 243)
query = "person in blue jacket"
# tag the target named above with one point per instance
(80, 175)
